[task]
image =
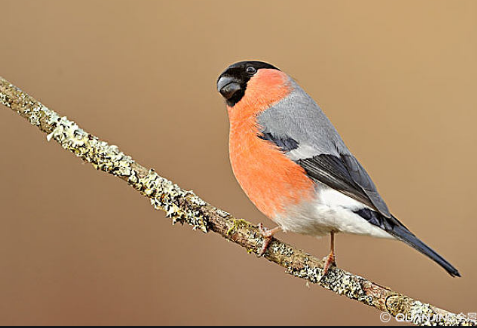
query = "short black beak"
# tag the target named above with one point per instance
(228, 86)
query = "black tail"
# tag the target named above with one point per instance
(400, 232)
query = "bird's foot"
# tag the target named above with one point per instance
(267, 235)
(330, 261)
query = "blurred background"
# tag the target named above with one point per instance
(79, 247)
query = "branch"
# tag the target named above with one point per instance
(183, 206)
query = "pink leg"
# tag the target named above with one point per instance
(330, 259)
(267, 237)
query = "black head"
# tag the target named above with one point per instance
(233, 81)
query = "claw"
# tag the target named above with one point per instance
(267, 237)
(330, 260)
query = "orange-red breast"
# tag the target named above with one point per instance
(293, 165)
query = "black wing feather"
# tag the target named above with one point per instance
(284, 143)
(346, 175)
(363, 180)
(331, 171)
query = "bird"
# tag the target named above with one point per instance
(296, 169)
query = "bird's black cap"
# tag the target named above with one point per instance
(232, 83)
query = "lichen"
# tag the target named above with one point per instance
(237, 223)
(282, 249)
(169, 197)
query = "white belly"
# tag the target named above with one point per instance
(330, 211)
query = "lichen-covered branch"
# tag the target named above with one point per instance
(185, 207)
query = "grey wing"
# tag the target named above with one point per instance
(299, 127)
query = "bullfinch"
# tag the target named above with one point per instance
(293, 165)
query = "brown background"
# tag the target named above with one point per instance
(398, 80)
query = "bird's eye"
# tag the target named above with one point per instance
(251, 70)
